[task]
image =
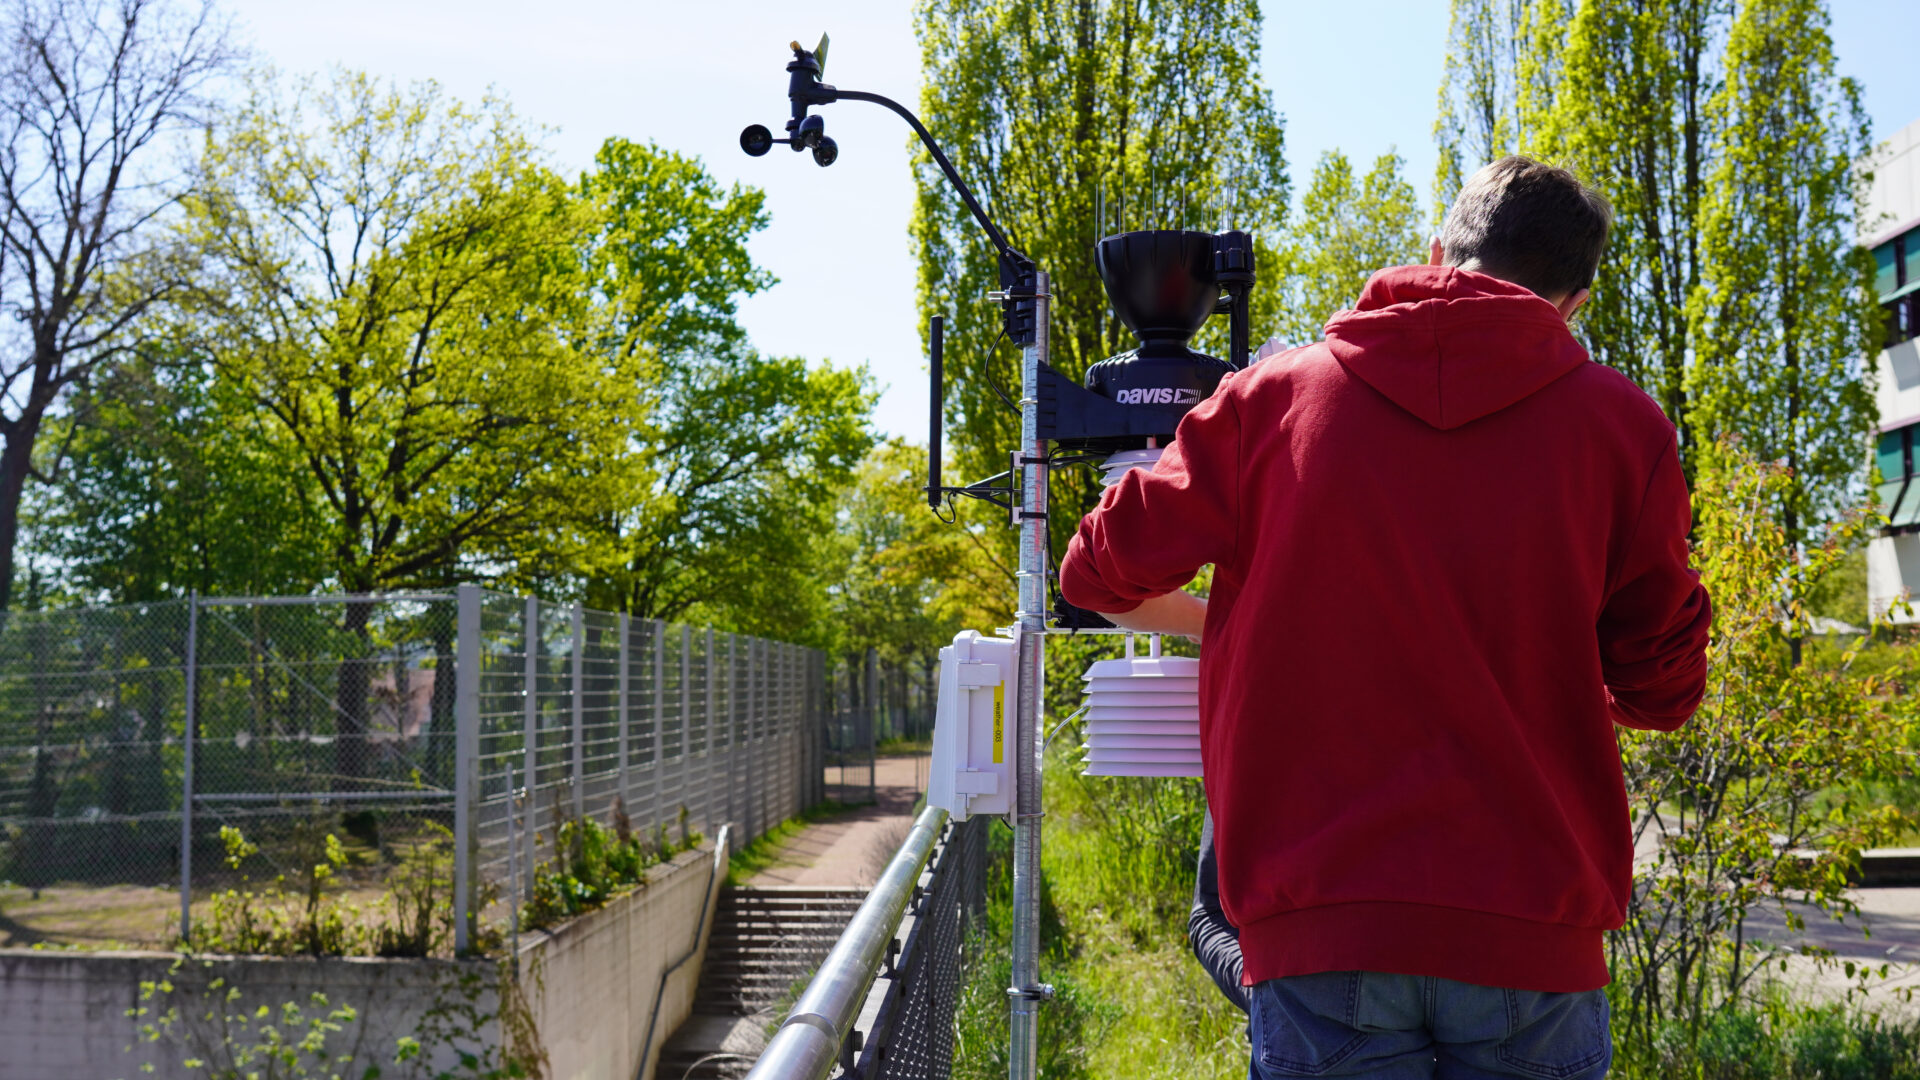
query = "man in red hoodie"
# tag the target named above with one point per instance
(1450, 553)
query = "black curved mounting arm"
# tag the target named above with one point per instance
(827, 95)
(1017, 273)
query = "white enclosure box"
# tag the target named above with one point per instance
(973, 727)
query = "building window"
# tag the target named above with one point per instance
(1895, 455)
(1896, 281)
(1903, 319)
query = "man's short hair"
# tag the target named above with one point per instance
(1529, 223)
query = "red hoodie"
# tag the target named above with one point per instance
(1450, 554)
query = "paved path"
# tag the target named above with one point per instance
(853, 848)
(1886, 930)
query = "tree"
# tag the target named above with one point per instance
(1763, 800)
(1500, 70)
(1784, 315)
(172, 485)
(1073, 121)
(1345, 230)
(1630, 112)
(389, 282)
(737, 459)
(1729, 289)
(90, 94)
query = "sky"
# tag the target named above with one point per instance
(689, 75)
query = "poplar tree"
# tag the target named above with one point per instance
(1783, 316)
(1501, 70)
(1630, 114)
(1347, 228)
(1730, 289)
(1073, 121)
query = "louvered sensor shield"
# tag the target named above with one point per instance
(1143, 715)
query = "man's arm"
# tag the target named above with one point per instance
(1654, 628)
(1214, 940)
(1153, 531)
(1177, 612)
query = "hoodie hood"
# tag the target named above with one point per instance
(1449, 345)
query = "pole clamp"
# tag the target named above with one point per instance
(1036, 992)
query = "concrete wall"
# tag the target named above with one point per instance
(595, 984)
(593, 989)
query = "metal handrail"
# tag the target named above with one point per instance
(809, 1039)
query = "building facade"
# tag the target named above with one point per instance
(1893, 558)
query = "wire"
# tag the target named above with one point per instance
(986, 370)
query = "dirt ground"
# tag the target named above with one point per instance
(853, 849)
(111, 916)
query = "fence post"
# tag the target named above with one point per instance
(733, 727)
(713, 752)
(686, 708)
(626, 778)
(873, 718)
(466, 754)
(659, 722)
(530, 690)
(189, 729)
(579, 713)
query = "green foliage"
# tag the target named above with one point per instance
(387, 281)
(1500, 71)
(594, 865)
(304, 915)
(414, 355)
(167, 486)
(1073, 121)
(229, 1041)
(1777, 1039)
(285, 918)
(737, 458)
(1727, 143)
(911, 580)
(421, 892)
(197, 1012)
(1347, 228)
(1761, 799)
(1784, 313)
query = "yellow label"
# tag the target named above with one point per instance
(999, 723)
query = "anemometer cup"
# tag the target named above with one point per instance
(756, 140)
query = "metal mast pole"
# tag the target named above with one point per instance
(1027, 992)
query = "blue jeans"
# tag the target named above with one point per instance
(1398, 1027)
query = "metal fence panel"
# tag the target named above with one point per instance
(301, 716)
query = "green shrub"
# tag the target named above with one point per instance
(594, 864)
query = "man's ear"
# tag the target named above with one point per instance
(1572, 303)
(1436, 255)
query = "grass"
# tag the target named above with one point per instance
(764, 850)
(903, 745)
(1132, 1002)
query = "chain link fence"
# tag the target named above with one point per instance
(129, 736)
(912, 1033)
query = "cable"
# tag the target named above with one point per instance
(986, 370)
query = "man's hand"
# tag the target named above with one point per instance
(1175, 613)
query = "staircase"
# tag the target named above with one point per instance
(766, 941)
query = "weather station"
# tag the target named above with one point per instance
(1141, 710)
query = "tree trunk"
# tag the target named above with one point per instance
(16, 462)
(351, 753)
